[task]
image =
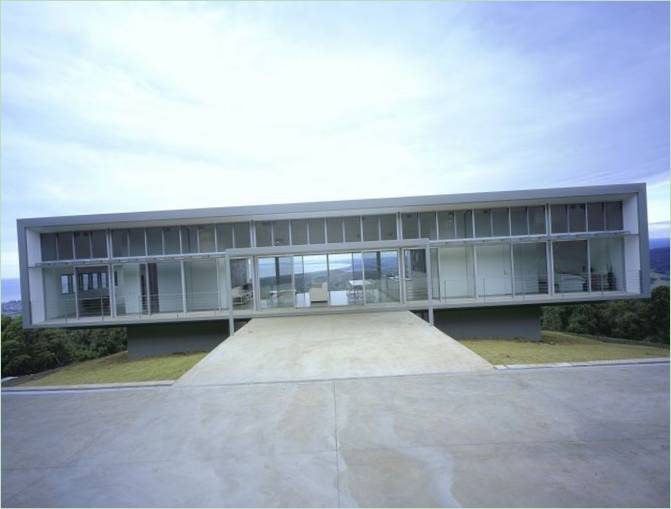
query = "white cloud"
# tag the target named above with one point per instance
(136, 106)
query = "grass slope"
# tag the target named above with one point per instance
(118, 368)
(559, 347)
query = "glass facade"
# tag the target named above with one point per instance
(476, 253)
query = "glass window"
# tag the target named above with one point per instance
(206, 238)
(242, 290)
(82, 245)
(388, 227)
(171, 240)
(200, 280)
(189, 239)
(613, 215)
(224, 236)
(427, 225)
(119, 243)
(370, 228)
(536, 219)
(595, 217)
(352, 229)
(334, 229)
(65, 246)
(154, 241)
(500, 225)
(165, 287)
(48, 243)
(576, 217)
(483, 223)
(607, 264)
(456, 271)
(316, 231)
(559, 218)
(137, 247)
(275, 282)
(311, 280)
(241, 233)
(446, 224)
(99, 244)
(381, 276)
(518, 221)
(464, 222)
(570, 266)
(281, 233)
(264, 233)
(299, 232)
(415, 274)
(494, 269)
(345, 285)
(66, 284)
(410, 226)
(530, 267)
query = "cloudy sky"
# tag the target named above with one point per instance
(130, 106)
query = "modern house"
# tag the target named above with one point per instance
(477, 264)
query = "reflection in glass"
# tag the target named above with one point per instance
(275, 282)
(530, 267)
(414, 261)
(570, 266)
(345, 279)
(381, 281)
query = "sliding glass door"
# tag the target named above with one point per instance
(276, 288)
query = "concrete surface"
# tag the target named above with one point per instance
(332, 346)
(581, 437)
(509, 322)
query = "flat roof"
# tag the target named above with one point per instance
(360, 206)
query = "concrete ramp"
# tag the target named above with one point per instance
(318, 347)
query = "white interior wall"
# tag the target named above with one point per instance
(201, 285)
(36, 286)
(632, 264)
(223, 282)
(129, 291)
(169, 283)
(494, 269)
(456, 271)
(57, 305)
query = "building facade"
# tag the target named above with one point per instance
(429, 254)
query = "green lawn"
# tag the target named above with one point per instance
(559, 347)
(118, 368)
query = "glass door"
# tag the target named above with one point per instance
(276, 288)
(346, 284)
(311, 280)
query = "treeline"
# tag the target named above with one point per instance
(638, 319)
(32, 350)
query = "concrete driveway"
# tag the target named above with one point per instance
(333, 346)
(588, 436)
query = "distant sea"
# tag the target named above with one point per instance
(11, 289)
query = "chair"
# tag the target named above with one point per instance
(319, 293)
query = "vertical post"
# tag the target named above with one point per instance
(76, 285)
(429, 282)
(216, 268)
(512, 270)
(181, 268)
(401, 280)
(112, 291)
(231, 321)
(256, 284)
(147, 286)
(589, 267)
(475, 270)
(550, 267)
